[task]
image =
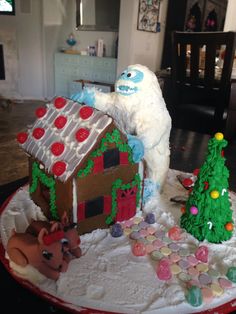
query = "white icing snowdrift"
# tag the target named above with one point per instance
(109, 277)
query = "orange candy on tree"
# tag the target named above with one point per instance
(229, 226)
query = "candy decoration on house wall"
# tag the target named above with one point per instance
(208, 214)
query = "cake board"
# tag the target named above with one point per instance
(225, 304)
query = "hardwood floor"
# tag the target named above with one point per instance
(188, 149)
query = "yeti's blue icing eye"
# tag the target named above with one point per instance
(135, 76)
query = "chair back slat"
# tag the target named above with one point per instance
(197, 77)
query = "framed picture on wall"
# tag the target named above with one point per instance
(148, 15)
(7, 7)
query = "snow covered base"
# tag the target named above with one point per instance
(110, 278)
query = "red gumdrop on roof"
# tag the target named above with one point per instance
(60, 122)
(85, 112)
(38, 133)
(22, 137)
(59, 102)
(57, 148)
(40, 112)
(187, 182)
(82, 134)
(59, 168)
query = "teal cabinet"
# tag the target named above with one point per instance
(69, 68)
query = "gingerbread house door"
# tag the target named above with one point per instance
(126, 203)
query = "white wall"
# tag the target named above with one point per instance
(137, 46)
(21, 36)
(230, 19)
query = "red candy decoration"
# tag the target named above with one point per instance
(22, 137)
(57, 148)
(60, 122)
(59, 168)
(206, 185)
(196, 171)
(38, 133)
(85, 112)
(187, 182)
(40, 112)
(82, 134)
(222, 153)
(59, 102)
(174, 233)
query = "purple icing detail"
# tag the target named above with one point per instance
(204, 279)
(183, 264)
(143, 224)
(174, 247)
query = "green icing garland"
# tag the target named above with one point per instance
(109, 138)
(118, 185)
(38, 174)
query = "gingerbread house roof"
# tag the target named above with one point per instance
(63, 134)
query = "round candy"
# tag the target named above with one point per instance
(216, 289)
(60, 122)
(196, 171)
(229, 226)
(214, 194)
(231, 274)
(174, 258)
(183, 209)
(184, 264)
(40, 112)
(116, 230)
(143, 224)
(219, 136)
(163, 270)
(149, 248)
(135, 235)
(202, 267)
(22, 137)
(225, 283)
(207, 295)
(139, 249)
(193, 271)
(175, 233)
(165, 251)
(59, 168)
(156, 255)
(150, 218)
(137, 220)
(82, 134)
(85, 112)
(204, 279)
(59, 102)
(193, 210)
(38, 133)
(175, 269)
(151, 230)
(57, 148)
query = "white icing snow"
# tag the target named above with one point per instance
(109, 277)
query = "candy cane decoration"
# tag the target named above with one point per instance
(210, 224)
(223, 191)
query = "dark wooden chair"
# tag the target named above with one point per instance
(200, 88)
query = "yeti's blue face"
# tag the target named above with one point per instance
(127, 83)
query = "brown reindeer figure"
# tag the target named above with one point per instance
(45, 252)
(71, 234)
(71, 240)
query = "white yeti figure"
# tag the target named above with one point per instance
(140, 111)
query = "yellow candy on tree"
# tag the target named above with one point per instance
(214, 194)
(219, 136)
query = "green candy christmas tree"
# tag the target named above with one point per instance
(208, 215)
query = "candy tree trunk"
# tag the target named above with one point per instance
(208, 214)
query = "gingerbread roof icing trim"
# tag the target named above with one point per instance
(63, 135)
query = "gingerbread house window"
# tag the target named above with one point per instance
(111, 158)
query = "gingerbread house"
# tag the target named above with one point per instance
(80, 162)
